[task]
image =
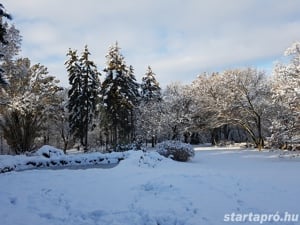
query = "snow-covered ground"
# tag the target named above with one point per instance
(147, 189)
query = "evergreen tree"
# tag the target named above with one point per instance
(151, 90)
(5, 41)
(119, 92)
(83, 95)
(8, 71)
(3, 31)
(131, 94)
(90, 91)
(74, 106)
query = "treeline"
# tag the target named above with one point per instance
(107, 109)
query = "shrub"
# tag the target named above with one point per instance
(123, 147)
(48, 152)
(19, 130)
(176, 150)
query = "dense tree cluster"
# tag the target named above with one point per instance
(235, 97)
(238, 105)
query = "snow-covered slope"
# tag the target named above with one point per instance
(148, 189)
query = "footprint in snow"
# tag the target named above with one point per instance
(240, 202)
(13, 200)
(46, 191)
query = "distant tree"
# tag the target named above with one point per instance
(149, 121)
(148, 111)
(61, 136)
(206, 90)
(238, 97)
(286, 98)
(119, 92)
(150, 89)
(176, 110)
(249, 102)
(83, 94)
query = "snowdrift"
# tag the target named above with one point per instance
(48, 156)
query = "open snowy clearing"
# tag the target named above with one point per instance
(147, 189)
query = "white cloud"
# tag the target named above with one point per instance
(178, 38)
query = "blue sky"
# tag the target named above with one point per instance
(179, 39)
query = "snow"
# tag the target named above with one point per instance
(48, 156)
(148, 189)
(49, 151)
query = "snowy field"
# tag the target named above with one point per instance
(216, 186)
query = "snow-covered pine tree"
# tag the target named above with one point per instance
(83, 94)
(150, 89)
(3, 38)
(3, 28)
(119, 93)
(74, 93)
(131, 94)
(90, 91)
(8, 51)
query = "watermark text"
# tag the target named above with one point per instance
(261, 218)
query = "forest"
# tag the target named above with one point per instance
(107, 109)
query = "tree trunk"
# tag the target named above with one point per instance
(186, 137)
(86, 130)
(175, 133)
(114, 138)
(153, 141)
(65, 139)
(65, 146)
(260, 140)
(215, 138)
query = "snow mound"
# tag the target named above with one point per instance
(49, 152)
(151, 159)
(289, 154)
(50, 157)
(143, 159)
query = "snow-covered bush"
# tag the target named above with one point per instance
(51, 157)
(49, 151)
(136, 145)
(176, 150)
(123, 147)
